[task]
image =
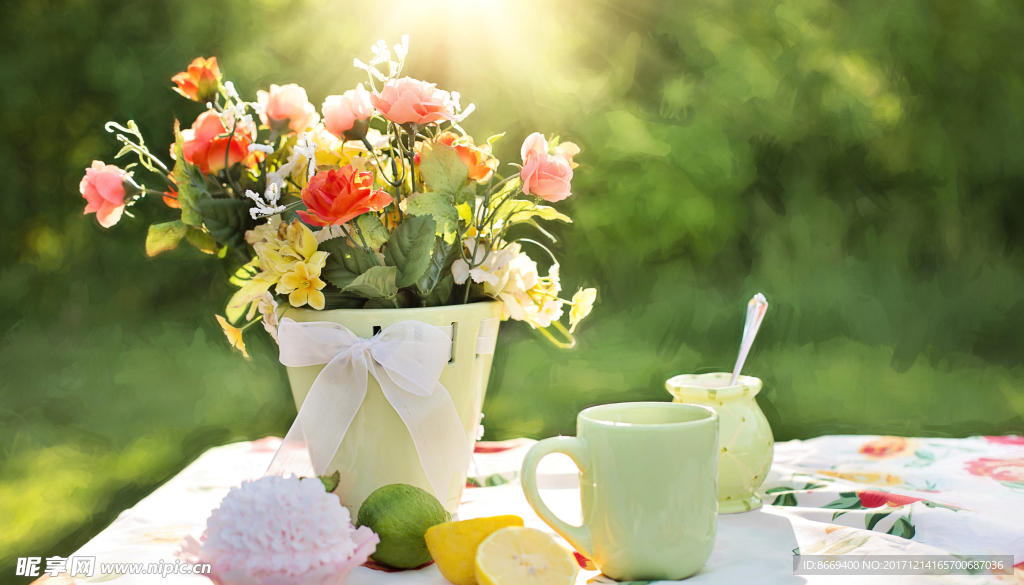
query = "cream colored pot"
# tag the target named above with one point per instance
(377, 449)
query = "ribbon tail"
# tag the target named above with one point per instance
(436, 431)
(324, 418)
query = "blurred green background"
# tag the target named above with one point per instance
(861, 163)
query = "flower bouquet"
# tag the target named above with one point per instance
(378, 210)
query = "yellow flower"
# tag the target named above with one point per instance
(234, 335)
(582, 304)
(303, 285)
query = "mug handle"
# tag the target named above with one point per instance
(575, 448)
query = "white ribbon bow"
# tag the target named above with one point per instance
(407, 359)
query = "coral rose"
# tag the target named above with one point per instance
(334, 197)
(888, 448)
(1010, 470)
(201, 81)
(410, 101)
(478, 158)
(545, 175)
(341, 112)
(287, 107)
(103, 189)
(207, 144)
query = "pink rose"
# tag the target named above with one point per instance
(341, 112)
(103, 189)
(545, 175)
(408, 100)
(287, 103)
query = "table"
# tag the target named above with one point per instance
(919, 496)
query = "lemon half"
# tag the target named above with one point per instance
(453, 545)
(523, 556)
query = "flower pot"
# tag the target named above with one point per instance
(746, 445)
(377, 449)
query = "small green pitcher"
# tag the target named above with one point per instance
(746, 445)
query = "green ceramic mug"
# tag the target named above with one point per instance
(648, 486)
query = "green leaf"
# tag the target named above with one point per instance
(331, 481)
(516, 211)
(871, 519)
(344, 263)
(190, 182)
(226, 219)
(442, 169)
(838, 514)
(203, 241)
(846, 501)
(164, 236)
(441, 261)
(336, 299)
(374, 232)
(377, 282)
(787, 499)
(441, 294)
(382, 303)
(410, 248)
(438, 206)
(902, 528)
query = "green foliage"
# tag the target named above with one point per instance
(190, 184)
(410, 249)
(344, 263)
(376, 283)
(226, 219)
(164, 236)
(440, 206)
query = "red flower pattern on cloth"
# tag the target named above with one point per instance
(1006, 440)
(876, 499)
(888, 447)
(998, 469)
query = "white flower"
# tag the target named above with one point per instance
(266, 205)
(489, 264)
(582, 304)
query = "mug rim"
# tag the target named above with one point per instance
(710, 415)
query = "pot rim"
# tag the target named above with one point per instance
(713, 387)
(387, 312)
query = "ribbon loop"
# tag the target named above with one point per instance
(407, 359)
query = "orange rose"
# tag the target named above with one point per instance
(201, 82)
(208, 144)
(478, 158)
(888, 448)
(334, 197)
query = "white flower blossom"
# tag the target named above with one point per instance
(488, 264)
(266, 205)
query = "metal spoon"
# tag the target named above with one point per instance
(756, 309)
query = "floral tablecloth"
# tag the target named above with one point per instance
(829, 495)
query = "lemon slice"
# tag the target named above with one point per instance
(453, 545)
(523, 556)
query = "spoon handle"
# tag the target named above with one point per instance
(756, 309)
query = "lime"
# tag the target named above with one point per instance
(400, 514)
